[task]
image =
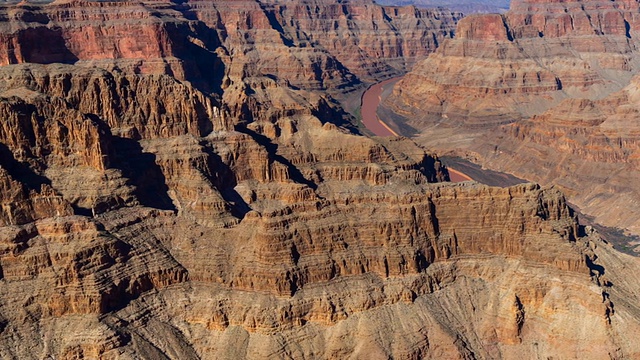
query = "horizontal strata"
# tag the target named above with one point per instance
(181, 190)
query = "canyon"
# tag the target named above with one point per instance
(181, 180)
(546, 92)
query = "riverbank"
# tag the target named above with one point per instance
(477, 173)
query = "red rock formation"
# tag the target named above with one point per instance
(465, 6)
(21, 205)
(131, 106)
(307, 264)
(308, 43)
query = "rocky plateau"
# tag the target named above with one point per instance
(178, 181)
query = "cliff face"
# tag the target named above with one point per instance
(546, 92)
(308, 44)
(370, 40)
(347, 264)
(147, 211)
(465, 6)
(505, 67)
(127, 91)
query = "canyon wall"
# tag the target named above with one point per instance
(173, 185)
(309, 44)
(545, 92)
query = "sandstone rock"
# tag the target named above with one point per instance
(312, 311)
(21, 205)
(318, 267)
(531, 58)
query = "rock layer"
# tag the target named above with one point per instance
(318, 267)
(311, 44)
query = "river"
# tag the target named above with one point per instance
(369, 110)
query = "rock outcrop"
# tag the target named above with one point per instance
(372, 41)
(340, 265)
(545, 92)
(526, 61)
